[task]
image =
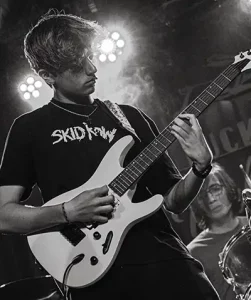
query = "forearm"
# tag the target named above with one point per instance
(183, 193)
(16, 218)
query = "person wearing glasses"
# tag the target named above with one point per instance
(216, 209)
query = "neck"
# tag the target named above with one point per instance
(224, 225)
(83, 100)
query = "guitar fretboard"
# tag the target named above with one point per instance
(137, 167)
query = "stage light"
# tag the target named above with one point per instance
(120, 43)
(102, 57)
(112, 57)
(115, 35)
(111, 47)
(29, 91)
(35, 93)
(38, 84)
(31, 88)
(107, 46)
(27, 95)
(23, 87)
(30, 80)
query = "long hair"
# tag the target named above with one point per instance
(231, 190)
(57, 42)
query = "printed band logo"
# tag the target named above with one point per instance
(79, 133)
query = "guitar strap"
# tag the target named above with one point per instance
(120, 116)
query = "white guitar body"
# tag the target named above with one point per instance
(54, 252)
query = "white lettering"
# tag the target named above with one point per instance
(90, 131)
(79, 133)
(245, 132)
(66, 135)
(106, 134)
(57, 133)
(225, 140)
(80, 130)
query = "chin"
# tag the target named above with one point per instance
(86, 93)
(89, 91)
(220, 214)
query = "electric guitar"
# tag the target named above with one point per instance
(79, 257)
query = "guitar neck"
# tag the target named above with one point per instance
(137, 167)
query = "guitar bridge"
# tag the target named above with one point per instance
(73, 234)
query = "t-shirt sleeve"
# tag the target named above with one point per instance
(17, 164)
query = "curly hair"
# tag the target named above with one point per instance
(57, 42)
(232, 193)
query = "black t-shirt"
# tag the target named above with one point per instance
(59, 151)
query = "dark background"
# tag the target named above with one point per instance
(180, 46)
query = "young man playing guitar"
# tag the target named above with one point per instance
(60, 146)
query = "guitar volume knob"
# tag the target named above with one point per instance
(94, 260)
(96, 235)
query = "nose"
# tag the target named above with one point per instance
(90, 67)
(211, 198)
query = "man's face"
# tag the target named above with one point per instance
(74, 85)
(216, 204)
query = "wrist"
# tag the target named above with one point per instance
(65, 215)
(201, 171)
(200, 166)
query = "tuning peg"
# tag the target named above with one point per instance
(241, 55)
(249, 52)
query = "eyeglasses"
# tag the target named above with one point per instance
(215, 190)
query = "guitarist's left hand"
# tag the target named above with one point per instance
(187, 130)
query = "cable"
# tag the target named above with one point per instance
(77, 259)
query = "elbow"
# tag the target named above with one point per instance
(175, 209)
(178, 211)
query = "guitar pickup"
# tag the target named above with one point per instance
(73, 234)
(107, 242)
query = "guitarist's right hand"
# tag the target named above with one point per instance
(91, 206)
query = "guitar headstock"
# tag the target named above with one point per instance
(243, 56)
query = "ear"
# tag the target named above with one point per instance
(48, 77)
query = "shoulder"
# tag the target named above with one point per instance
(30, 118)
(138, 115)
(144, 126)
(199, 241)
(130, 109)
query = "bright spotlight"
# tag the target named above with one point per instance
(115, 35)
(112, 57)
(23, 87)
(102, 57)
(107, 46)
(30, 80)
(31, 88)
(120, 43)
(27, 95)
(38, 84)
(117, 44)
(35, 94)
